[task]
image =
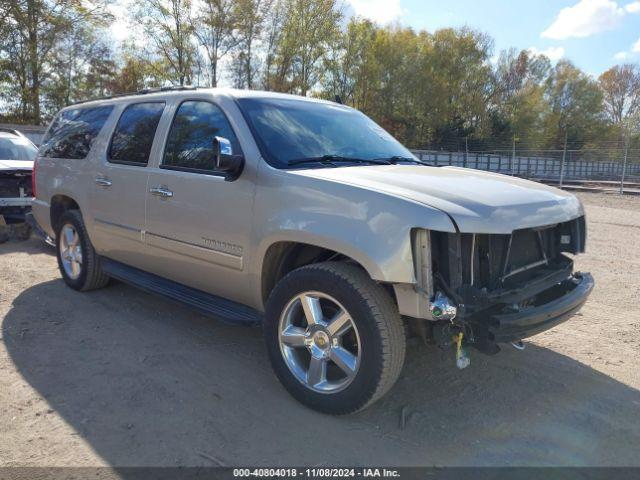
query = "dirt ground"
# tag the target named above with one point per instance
(122, 378)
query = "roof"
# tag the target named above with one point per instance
(170, 92)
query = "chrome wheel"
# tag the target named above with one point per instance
(319, 342)
(70, 251)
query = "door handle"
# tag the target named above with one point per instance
(161, 192)
(103, 182)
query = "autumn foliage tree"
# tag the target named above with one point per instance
(445, 89)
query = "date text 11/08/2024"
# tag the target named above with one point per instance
(317, 472)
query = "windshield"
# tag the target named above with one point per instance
(16, 149)
(291, 131)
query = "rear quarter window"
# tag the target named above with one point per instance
(73, 132)
(133, 137)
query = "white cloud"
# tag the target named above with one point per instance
(633, 7)
(585, 18)
(552, 53)
(380, 11)
(120, 28)
(635, 49)
(123, 28)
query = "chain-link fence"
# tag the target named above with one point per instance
(616, 166)
(613, 168)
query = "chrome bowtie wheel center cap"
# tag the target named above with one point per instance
(319, 343)
(321, 340)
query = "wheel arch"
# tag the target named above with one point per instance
(284, 256)
(60, 203)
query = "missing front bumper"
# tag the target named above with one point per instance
(565, 300)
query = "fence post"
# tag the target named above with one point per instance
(624, 165)
(466, 152)
(513, 154)
(564, 154)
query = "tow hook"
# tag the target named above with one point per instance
(518, 345)
(462, 357)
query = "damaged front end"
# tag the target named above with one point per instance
(494, 288)
(15, 199)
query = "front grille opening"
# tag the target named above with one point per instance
(526, 249)
(478, 264)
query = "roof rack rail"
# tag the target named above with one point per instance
(144, 91)
(165, 89)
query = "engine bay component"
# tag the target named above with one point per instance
(442, 308)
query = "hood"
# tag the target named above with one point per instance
(7, 165)
(477, 201)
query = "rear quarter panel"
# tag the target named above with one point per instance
(69, 177)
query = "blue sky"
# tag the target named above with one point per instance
(594, 34)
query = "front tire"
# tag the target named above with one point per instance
(334, 337)
(78, 262)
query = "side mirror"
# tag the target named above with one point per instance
(224, 159)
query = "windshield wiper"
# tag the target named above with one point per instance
(397, 158)
(331, 159)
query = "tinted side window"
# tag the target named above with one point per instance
(133, 136)
(73, 132)
(190, 141)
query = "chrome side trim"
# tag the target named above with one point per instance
(117, 229)
(194, 251)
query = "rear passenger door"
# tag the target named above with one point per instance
(120, 184)
(198, 224)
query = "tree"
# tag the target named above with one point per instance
(37, 30)
(308, 29)
(168, 25)
(273, 32)
(101, 73)
(252, 17)
(14, 74)
(575, 106)
(80, 51)
(214, 28)
(621, 89)
(518, 103)
(348, 61)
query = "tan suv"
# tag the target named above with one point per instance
(307, 217)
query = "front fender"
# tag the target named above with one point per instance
(371, 227)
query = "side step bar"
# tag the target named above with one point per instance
(217, 307)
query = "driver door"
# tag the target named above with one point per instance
(199, 224)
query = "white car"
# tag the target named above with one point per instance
(17, 153)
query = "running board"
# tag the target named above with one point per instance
(220, 308)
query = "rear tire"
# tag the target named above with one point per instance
(330, 368)
(78, 262)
